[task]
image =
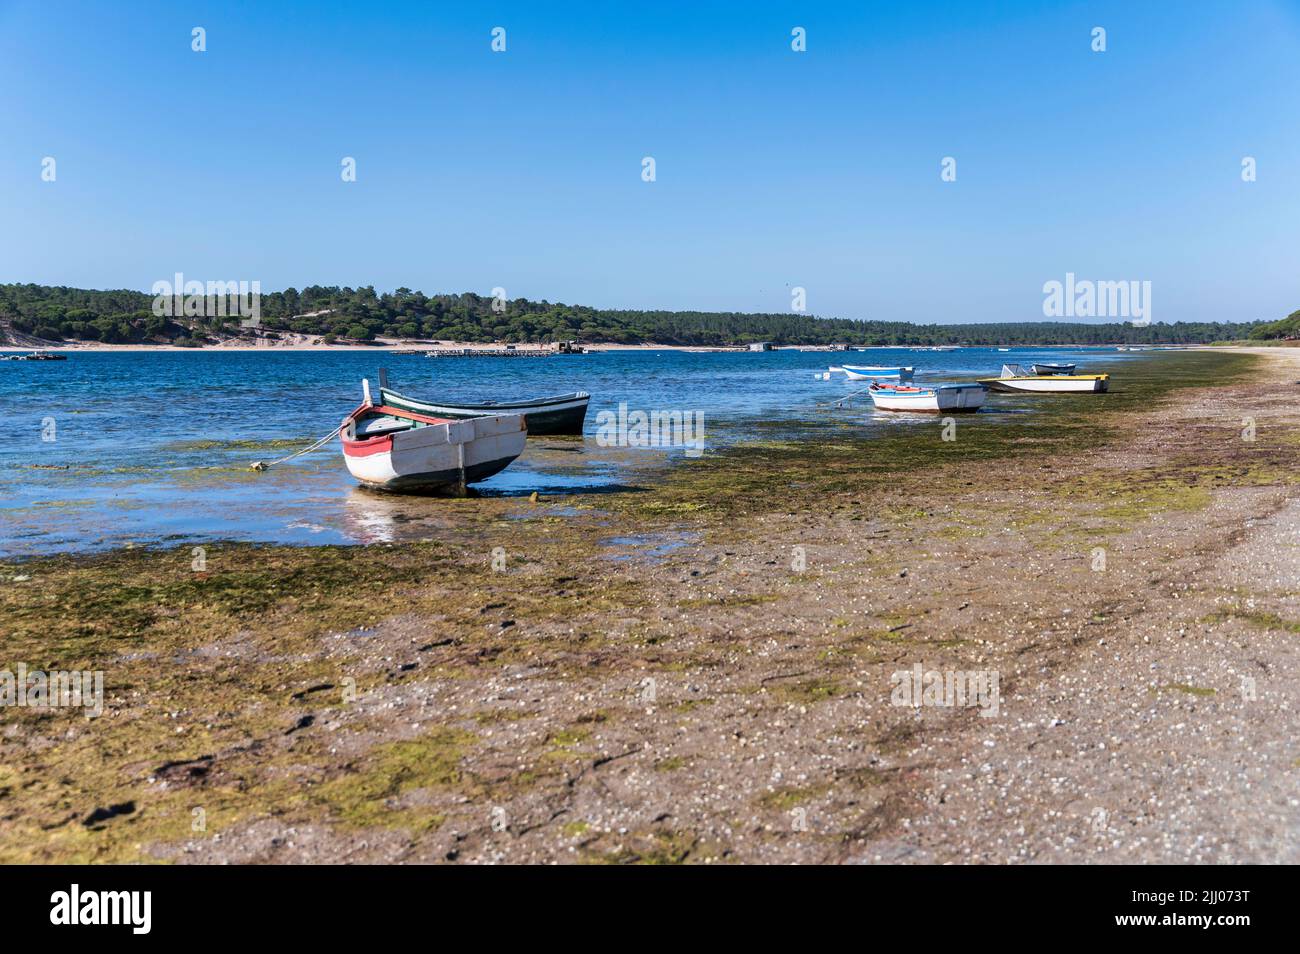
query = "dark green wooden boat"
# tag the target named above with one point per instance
(558, 414)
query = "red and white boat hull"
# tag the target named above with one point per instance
(432, 454)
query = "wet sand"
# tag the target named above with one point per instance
(702, 669)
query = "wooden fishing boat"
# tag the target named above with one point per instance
(931, 399)
(390, 448)
(863, 372)
(1051, 367)
(1014, 378)
(558, 414)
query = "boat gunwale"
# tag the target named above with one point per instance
(540, 403)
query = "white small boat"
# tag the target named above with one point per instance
(931, 399)
(390, 448)
(865, 372)
(1004, 349)
(1014, 378)
(1051, 367)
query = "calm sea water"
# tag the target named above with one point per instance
(107, 449)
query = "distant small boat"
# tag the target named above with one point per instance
(932, 399)
(1050, 367)
(1004, 349)
(862, 372)
(558, 414)
(35, 356)
(389, 448)
(1014, 378)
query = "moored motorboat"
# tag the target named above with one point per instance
(1014, 378)
(558, 414)
(391, 448)
(931, 399)
(1051, 367)
(864, 372)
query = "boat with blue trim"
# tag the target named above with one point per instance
(930, 399)
(864, 372)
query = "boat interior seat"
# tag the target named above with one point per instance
(382, 425)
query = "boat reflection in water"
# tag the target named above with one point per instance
(373, 517)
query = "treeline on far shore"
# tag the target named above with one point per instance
(360, 315)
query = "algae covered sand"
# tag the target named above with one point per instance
(699, 670)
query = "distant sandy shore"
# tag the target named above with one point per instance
(379, 345)
(313, 343)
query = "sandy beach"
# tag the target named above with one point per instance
(719, 684)
(300, 342)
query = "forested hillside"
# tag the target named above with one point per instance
(362, 314)
(1288, 327)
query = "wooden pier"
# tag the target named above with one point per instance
(489, 353)
(506, 352)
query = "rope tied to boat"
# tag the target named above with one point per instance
(260, 465)
(839, 402)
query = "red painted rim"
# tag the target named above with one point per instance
(373, 445)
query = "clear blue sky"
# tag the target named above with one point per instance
(775, 169)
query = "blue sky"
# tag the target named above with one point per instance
(774, 169)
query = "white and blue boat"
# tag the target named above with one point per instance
(864, 372)
(931, 399)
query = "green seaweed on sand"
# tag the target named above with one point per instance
(1131, 497)
(563, 742)
(1255, 618)
(784, 799)
(748, 478)
(807, 692)
(124, 595)
(647, 848)
(369, 794)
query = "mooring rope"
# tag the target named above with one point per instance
(840, 402)
(263, 465)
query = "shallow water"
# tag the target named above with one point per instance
(149, 447)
